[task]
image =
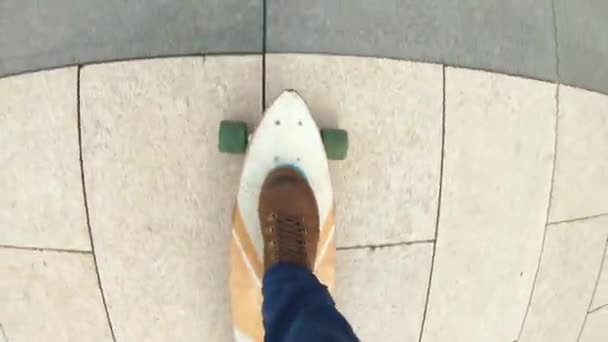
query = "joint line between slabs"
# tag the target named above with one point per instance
(86, 204)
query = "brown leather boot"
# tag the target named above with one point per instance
(289, 218)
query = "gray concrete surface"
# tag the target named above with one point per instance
(582, 35)
(43, 34)
(512, 37)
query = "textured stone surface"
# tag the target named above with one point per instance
(160, 198)
(583, 43)
(515, 37)
(499, 135)
(601, 293)
(580, 187)
(41, 203)
(50, 296)
(567, 275)
(595, 327)
(160, 194)
(392, 111)
(41, 34)
(391, 308)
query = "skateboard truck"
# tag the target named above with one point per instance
(233, 138)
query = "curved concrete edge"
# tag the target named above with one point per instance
(551, 40)
(508, 71)
(123, 59)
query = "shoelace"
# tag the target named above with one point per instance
(288, 233)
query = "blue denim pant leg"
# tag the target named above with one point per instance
(298, 308)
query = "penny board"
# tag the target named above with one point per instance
(287, 135)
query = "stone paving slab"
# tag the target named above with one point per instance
(41, 34)
(160, 198)
(583, 43)
(499, 134)
(386, 191)
(50, 296)
(567, 276)
(595, 327)
(601, 293)
(580, 187)
(391, 308)
(41, 202)
(160, 194)
(514, 37)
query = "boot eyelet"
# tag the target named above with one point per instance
(270, 229)
(272, 217)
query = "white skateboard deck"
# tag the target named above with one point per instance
(286, 135)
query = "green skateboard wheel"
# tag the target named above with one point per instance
(335, 142)
(232, 137)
